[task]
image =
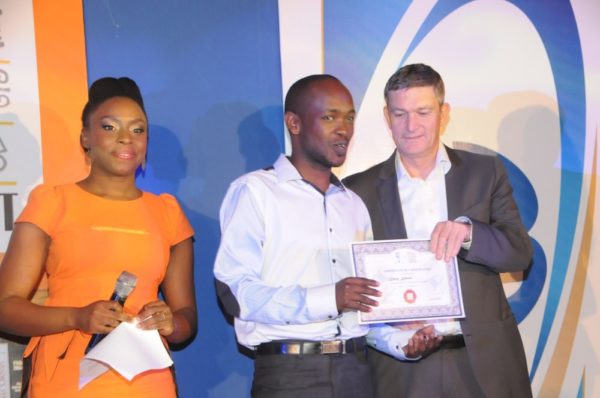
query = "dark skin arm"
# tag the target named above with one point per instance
(353, 294)
(175, 318)
(21, 269)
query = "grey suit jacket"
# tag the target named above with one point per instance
(477, 187)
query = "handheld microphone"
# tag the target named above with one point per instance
(125, 285)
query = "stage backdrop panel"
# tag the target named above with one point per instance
(42, 88)
(209, 73)
(522, 79)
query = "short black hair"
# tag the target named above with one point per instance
(109, 87)
(298, 89)
(416, 75)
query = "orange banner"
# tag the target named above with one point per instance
(62, 75)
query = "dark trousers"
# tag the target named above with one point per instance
(312, 376)
(446, 373)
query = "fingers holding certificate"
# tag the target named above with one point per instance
(414, 285)
(356, 294)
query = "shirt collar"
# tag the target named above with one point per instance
(286, 171)
(441, 161)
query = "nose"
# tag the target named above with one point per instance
(124, 137)
(411, 121)
(346, 128)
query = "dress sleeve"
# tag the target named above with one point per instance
(179, 227)
(44, 208)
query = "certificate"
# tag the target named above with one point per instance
(414, 285)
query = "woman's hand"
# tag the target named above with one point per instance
(100, 317)
(156, 315)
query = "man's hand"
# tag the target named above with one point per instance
(447, 238)
(353, 294)
(423, 342)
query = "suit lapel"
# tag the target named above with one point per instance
(454, 181)
(389, 200)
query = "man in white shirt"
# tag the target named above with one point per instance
(283, 268)
(462, 202)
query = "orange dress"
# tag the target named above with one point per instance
(92, 241)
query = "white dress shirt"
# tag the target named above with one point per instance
(423, 204)
(284, 245)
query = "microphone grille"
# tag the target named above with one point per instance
(125, 284)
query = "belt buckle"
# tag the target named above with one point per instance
(333, 347)
(291, 348)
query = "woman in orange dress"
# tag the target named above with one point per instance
(82, 236)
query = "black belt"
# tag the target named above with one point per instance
(452, 341)
(299, 347)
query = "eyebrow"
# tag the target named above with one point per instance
(339, 110)
(417, 109)
(115, 118)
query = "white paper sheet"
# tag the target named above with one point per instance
(128, 350)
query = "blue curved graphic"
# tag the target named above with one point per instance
(524, 299)
(440, 11)
(378, 20)
(556, 25)
(581, 390)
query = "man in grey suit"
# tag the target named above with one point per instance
(462, 202)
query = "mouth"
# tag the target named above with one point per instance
(412, 137)
(125, 155)
(341, 148)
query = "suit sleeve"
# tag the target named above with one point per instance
(502, 244)
(238, 269)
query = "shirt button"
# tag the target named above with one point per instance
(330, 229)
(333, 260)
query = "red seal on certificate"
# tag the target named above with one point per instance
(410, 296)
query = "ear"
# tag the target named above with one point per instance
(444, 117)
(84, 140)
(387, 117)
(293, 123)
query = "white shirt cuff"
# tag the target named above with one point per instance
(391, 340)
(466, 220)
(320, 302)
(400, 339)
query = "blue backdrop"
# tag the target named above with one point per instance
(209, 73)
